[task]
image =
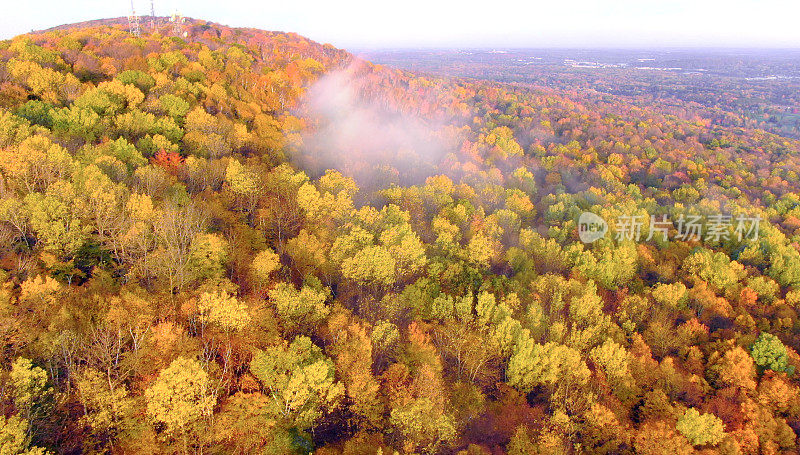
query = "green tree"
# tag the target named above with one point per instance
(479, 250)
(701, 429)
(140, 79)
(406, 249)
(671, 296)
(208, 255)
(715, 268)
(371, 265)
(300, 310)
(37, 112)
(612, 358)
(82, 123)
(770, 353)
(534, 364)
(300, 381)
(175, 106)
(54, 219)
(422, 428)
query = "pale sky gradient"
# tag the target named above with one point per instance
(360, 24)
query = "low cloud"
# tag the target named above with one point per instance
(357, 128)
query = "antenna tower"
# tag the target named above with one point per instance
(133, 22)
(152, 16)
(177, 24)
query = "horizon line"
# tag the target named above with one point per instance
(349, 45)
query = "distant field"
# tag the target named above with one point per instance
(743, 88)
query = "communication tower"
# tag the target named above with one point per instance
(133, 22)
(177, 24)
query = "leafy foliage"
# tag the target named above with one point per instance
(187, 270)
(701, 429)
(769, 352)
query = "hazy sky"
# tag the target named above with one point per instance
(465, 23)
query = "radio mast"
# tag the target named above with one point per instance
(133, 22)
(152, 16)
(177, 24)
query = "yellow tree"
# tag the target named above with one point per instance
(108, 406)
(224, 310)
(352, 352)
(265, 263)
(14, 437)
(179, 398)
(701, 429)
(35, 163)
(33, 398)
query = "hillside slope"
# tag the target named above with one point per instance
(241, 241)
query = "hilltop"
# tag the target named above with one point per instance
(244, 241)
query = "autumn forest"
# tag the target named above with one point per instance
(241, 241)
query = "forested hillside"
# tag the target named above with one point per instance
(241, 241)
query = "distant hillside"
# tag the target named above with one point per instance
(109, 22)
(162, 24)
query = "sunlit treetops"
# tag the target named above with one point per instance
(184, 269)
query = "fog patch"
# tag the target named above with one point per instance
(356, 127)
